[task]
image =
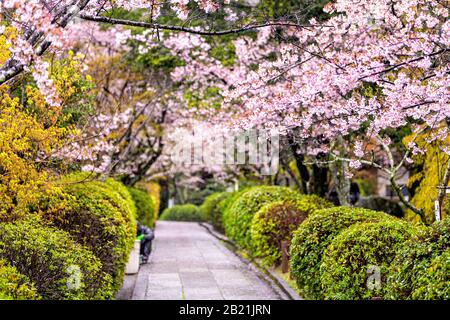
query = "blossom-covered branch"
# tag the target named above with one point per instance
(198, 31)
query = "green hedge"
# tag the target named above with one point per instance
(209, 204)
(184, 212)
(276, 222)
(218, 210)
(422, 267)
(312, 238)
(222, 206)
(145, 207)
(49, 258)
(237, 218)
(99, 215)
(211, 211)
(355, 264)
(154, 191)
(14, 285)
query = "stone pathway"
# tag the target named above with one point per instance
(188, 263)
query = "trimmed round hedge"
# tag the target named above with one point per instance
(59, 267)
(184, 212)
(145, 207)
(99, 215)
(434, 284)
(277, 221)
(312, 238)
(14, 285)
(222, 206)
(237, 218)
(355, 264)
(421, 268)
(211, 211)
(209, 204)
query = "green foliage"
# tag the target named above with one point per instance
(224, 204)
(157, 58)
(305, 9)
(312, 238)
(421, 268)
(225, 53)
(154, 190)
(209, 98)
(238, 217)
(99, 215)
(24, 138)
(276, 222)
(50, 258)
(217, 212)
(76, 90)
(351, 263)
(209, 206)
(14, 285)
(184, 212)
(145, 207)
(435, 283)
(197, 195)
(425, 177)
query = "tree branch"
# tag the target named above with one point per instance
(395, 186)
(152, 25)
(393, 67)
(13, 67)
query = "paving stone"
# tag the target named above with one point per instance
(164, 294)
(197, 279)
(187, 262)
(191, 269)
(203, 294)
(220, 266)
(164, 281)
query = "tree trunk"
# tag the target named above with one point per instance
(341, 181)
(319, 181)
(299, 162)
(164, 195)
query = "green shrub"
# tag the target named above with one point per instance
(5, 297)
(359, 257)
(154, 190)
(99, 215)
(435, 284)
(50, 259)
(210, 210)
(208, 205)
(184, 212)
(421, 268)
(145, 209)
(276, 222)
(312, 238)
(222, 206)
(237, 218)
(14, 285)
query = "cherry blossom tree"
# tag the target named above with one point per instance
(45, 25)
(343, 85)
(341, 89)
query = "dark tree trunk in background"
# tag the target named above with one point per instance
(304, 174)
(314, 178)
(299, 159)
(319, 181)
(164, 195)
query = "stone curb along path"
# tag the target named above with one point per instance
(189, 263)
